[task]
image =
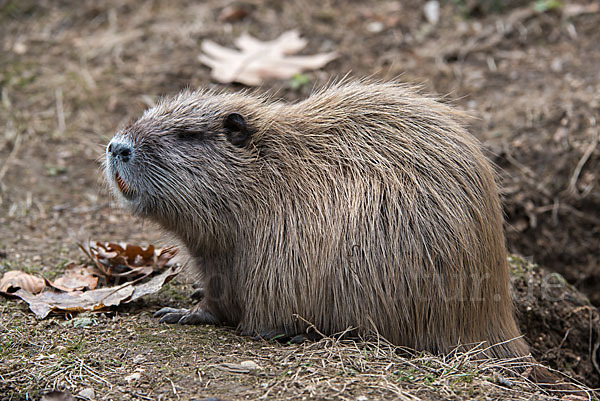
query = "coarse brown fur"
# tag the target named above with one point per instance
(366, 205)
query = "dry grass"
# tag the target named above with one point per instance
(347, 370)
(132, 356)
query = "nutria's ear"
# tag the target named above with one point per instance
(236, 129)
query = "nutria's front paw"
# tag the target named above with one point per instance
(170, 315)
(185, 316)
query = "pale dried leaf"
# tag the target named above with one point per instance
(257, 60)
(51, 301)
(15, 279)
(76, 278)
(573, 10)
(250, 365)
(431, 9)
(87, 393)
(289, 42)
(242, 367)
(133, 377)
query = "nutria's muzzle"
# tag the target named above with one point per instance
(119, 155)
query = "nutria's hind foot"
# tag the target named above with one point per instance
(282, 337)
(305, 337)
(185, 316)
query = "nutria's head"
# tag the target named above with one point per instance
(184, 162)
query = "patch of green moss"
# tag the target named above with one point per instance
(520, 267)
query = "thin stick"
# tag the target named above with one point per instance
(11, 156)
(586, 155)
(60, 111)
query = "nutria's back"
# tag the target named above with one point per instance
(365, 205)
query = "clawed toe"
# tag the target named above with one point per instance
(198, 294)
(198, 317)
(172, 318)
(185, 316)
(161, 313)
(170, 315)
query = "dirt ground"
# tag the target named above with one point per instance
(72, 72)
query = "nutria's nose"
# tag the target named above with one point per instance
(120, 151)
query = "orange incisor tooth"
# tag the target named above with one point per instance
(121, 183)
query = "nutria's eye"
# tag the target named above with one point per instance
(236, 129)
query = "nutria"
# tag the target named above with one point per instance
(365, 206)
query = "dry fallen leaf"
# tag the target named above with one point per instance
(242, 367)
(132, 270)
(53, 301)
(431, 9)
(120, 262)
(87, 394)
(133, 377)
(76, 278)
(234, 13)
(257, 60)
(574, 10)
(15, 279)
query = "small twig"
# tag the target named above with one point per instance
(173, 388)
(145, 397)
(528, 174)
(95, 375)
(562, 342)
(590, 336)
(310, 325)
(586, 155)
(11, 156)
(60, 111)
(595, 357)
(556, 207)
